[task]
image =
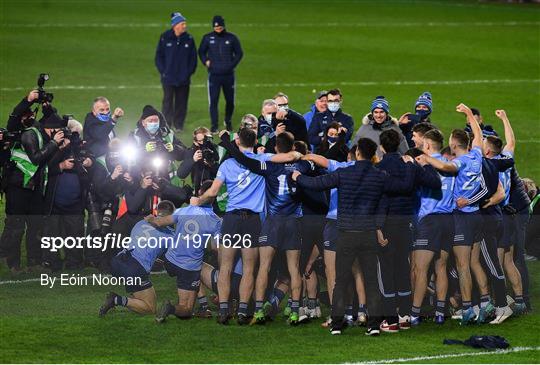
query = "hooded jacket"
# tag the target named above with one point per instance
(372, 130)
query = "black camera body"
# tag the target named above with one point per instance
(8, 136)
(43, 96)
(208, 152)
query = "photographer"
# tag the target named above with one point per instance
(152, 187)
(111, 179)
(152, 136)
(65, 198)
(276, 118)
(99, 126)
(26, 179)
(203, 164)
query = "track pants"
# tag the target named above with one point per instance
(175, 102)
(364, 246)
(23, 213)
(215, 84)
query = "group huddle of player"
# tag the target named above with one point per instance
(427, 234)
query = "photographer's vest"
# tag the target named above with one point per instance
(23, 162)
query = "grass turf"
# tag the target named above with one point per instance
(363, 47)
(39, 324)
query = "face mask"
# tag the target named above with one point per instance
(268, 118)
(333, 106)
(423, 114)
(152, 128)
(332, 139)
(104, 117)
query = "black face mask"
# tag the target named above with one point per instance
(28, 122)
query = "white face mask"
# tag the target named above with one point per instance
(333, 106)
(268, 118)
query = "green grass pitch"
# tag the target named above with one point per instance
(486, 55)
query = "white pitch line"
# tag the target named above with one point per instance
(446, 356)
(291, 84)
(280, 25)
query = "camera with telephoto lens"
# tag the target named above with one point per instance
(108, 219)
(8, 136)
(43, 96)
(208, 152)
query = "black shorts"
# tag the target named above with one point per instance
(235, 283)
(281, 232)
(467, 228)
(125, 266)
(330, 235)
(243, 222)
(185, 279)
(434, 232)
(508, 230)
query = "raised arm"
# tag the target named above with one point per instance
(475, 127)
(508, 131)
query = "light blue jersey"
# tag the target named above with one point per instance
(469, 179)
(438, 201)
(148, 243)
(332, 206)
(195, 228)
(244, 188)
(505, 178)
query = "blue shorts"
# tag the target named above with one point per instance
(235, 283)
(125, 266)
(281, 232)
(434, 232)
(467, 228)
(185, 279)
(243, 222)
(330, 235)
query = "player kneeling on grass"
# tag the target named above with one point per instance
(196, 226)
(134, 264)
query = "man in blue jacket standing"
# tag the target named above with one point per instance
(176, 61)
(220, 52)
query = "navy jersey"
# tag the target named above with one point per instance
(279, 200)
